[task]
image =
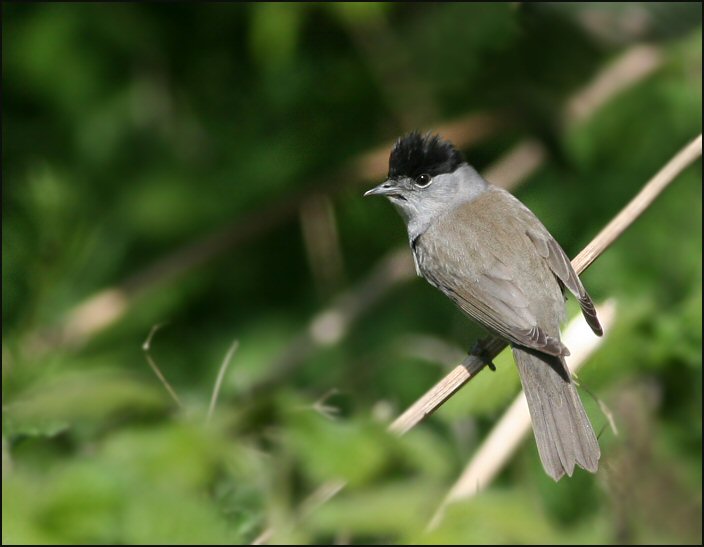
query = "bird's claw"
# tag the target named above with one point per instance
(479, 350)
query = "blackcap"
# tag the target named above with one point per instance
(495, 260)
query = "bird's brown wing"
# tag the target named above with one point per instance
(485, 289)
(561, 266)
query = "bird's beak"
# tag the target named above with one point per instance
(387, 188)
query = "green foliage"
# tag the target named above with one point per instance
(145, 485)
(86, 398)
(131, 131)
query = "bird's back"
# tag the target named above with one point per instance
(485, 254)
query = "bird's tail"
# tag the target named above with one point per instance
(562, 430)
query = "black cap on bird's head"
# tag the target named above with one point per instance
(415, 154)
(416, 161)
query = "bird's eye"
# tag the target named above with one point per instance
(423, 180)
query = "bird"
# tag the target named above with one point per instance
(491, 256)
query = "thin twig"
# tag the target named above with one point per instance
(323, 408)
(321, 242)
(638, 204)
(517, 165)
(220, 378)
(146, 347)
(605, 410)
(633, 66)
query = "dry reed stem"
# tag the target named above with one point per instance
(146, 347)
(221, 376)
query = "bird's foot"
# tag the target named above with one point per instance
(479, 350)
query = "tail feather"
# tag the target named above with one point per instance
(563, 433)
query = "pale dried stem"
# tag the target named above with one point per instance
(634, 65)
(221, 376)
(146, 347)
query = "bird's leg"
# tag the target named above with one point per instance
(479, 350)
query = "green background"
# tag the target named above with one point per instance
(134, 131)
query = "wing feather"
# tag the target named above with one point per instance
(495, 300)
(561, 266)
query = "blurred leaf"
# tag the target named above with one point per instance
(399, 509)
(356, 451)
(86, 398)
(180, 455)
(274, 32)
(490, 392)
(500, 517)
(358, 13)
(144, 487)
